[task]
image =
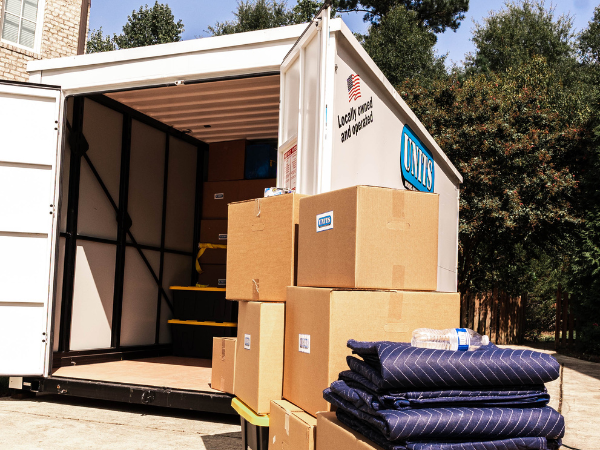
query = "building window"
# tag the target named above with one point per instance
(19, 22)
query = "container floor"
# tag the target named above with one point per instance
(168, 371)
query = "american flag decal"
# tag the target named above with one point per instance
(353, 87)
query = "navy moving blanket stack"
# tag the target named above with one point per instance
(408, 398)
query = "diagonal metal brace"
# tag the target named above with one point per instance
(79, 139)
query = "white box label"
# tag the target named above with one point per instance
(219, 196)
(223, 237)
(247, 341)
(325, 221)
(304, 343)
(290, 167)
(222, 282)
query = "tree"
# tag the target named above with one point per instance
(511, 138)
(98, 42)
(433, 15)
(520, 32)
(253, 15)
(150, 26)
(584, 268)
(147, 26)
(402, 49)
(589, 41)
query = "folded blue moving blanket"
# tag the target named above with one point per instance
(468, 424)
(517, 443)
(397, 365)
(356, 389)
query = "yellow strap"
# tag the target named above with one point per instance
(203, 248)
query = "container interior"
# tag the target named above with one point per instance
(146, 149)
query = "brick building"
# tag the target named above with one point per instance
(40, 29)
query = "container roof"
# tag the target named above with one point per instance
(213, 111)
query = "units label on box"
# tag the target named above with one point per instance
(325, 221)
(304, 344)
(219, 196)
(223, 237)
(222, 282)
(247, 341)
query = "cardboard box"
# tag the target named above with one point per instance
(226, 160)
(333, 435)
(255, 188)
(370, 238)
(262, 248)
(259, 358)
(319, 322)
(215, 197)
(290, 428)
(213, 275)
(213, 232)
(223, 364)
(217, 194)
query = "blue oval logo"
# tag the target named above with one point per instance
(416, 163)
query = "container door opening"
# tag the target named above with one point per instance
(160, 167)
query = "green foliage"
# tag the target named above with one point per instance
(98, 42)
(589, 40)
(434, 15)
(512, 142)
(150, 26)
(147, 26)
(519, 32)
(253, 15)
(402, 49)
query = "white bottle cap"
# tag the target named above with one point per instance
(485, 340)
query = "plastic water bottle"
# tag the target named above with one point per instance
(461, 339)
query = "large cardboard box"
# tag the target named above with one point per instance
(261, 252)
(213, 232)
(213, 275)
(369, 237)
(319, 322)
(217, 194)
(290, 428)
(259, 358)
(223, 364)
(333, 435)
(226, 160)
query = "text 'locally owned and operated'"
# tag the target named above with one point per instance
(356, 119)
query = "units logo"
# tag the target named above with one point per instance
(325, 221)
(246, 341)
(416, 163)
(219, 196)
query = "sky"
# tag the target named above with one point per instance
(198, 15)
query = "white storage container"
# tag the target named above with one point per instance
(71, 283)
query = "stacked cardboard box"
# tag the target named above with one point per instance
(367, 270)
(366, 263)
(225, 184)
(261, 263)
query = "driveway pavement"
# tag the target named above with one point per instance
(52, 422)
